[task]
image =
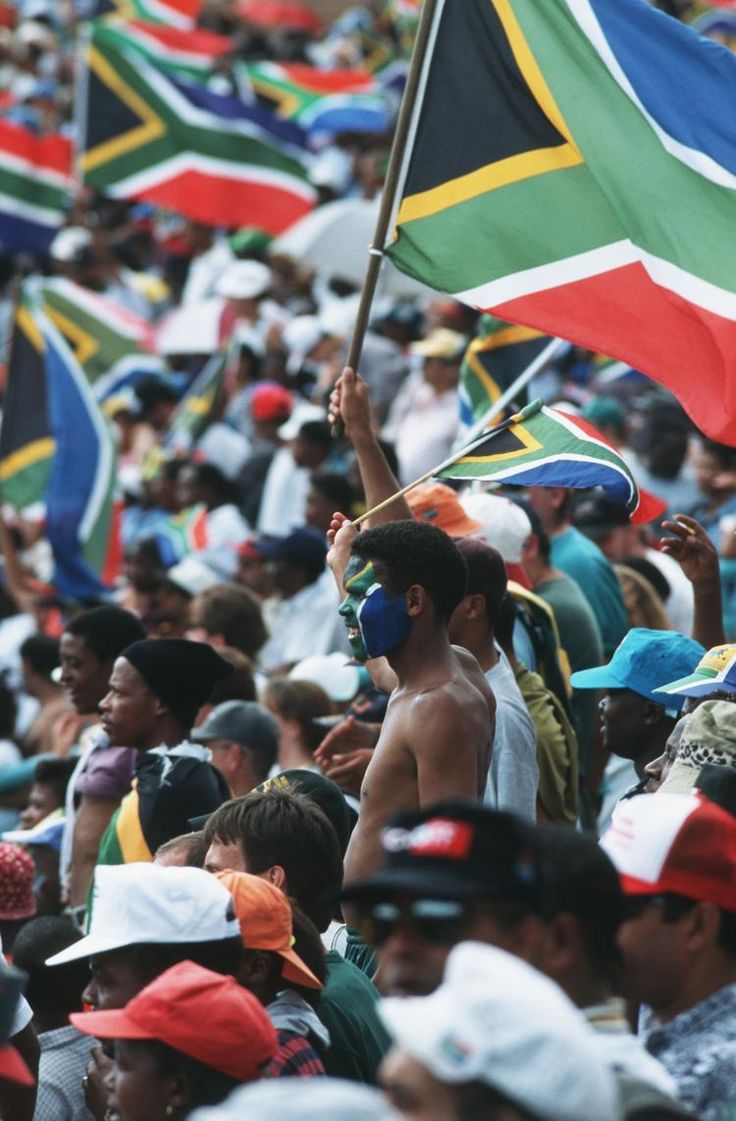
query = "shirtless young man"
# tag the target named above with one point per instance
(402, 582)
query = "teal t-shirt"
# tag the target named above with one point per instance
(582, 560)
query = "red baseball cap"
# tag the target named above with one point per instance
(683, 844)
(200, 1013)
(271, 401)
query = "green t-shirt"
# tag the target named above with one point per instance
(580, 637)
(347, 1008)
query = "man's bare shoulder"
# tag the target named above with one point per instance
(468, 663)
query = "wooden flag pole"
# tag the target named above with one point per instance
(549, 352)
(393, 172)
(552, 349)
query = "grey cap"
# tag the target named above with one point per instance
(244, 722)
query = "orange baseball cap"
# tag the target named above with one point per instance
(204, 1015)
(264, 914)
(439, 505)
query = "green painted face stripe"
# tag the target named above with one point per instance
(358, 575)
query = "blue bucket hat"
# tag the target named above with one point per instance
(644, 661)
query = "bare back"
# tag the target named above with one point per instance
(435, 743)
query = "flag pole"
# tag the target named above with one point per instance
(393, 172)
(551, 351)
(532, 407)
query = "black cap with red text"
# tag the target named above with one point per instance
(457, 850)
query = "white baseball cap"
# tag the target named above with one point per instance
(496, 1020)
(331, 672)
(505, 525)
(244, 280)
(192, 576)
(142, 904)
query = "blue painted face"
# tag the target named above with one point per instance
(383, 620)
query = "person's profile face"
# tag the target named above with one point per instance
(359, 577)
(223, 856)
(113, 982)
(128, 709)
(142, 1091)
(83, 676)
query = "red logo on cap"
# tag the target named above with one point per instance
(440, 837)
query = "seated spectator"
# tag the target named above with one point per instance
(273, 971)
(708, 737)
(156, 689)
(557, 743)
(327, 492)
(175, 590)
(39, 658)
(90, 643)
(18, 1048)
(227, 615)
(186, 1040)
(304, 617)
(43, 843)
(296, 706)
(547, 895)
(635, 719)
(675, 858)
(9, 750)
(457, 1053)
(204, 484)
(53, 994)
(287, 838)
(186, 851)
(244, 740)
(144, 920)
(48, 790)
(513, 776)
(17, 901)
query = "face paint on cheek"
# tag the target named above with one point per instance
(383, 621)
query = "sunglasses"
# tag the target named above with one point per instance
(439, 922)
(636, 905)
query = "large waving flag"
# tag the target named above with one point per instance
(70, 447)
(495, 358)
(26, 443)
(322, 101)
(545, 447)
(182, 14)
(574, 169)
(104, 337)
(190, 54)
(150, 135)
(35, 187)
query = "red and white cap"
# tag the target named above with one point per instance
(683, 844)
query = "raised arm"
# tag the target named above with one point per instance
(350, 402)
(697, 556)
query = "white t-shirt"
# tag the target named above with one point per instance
(284, 495)
(306, 623)
(513, 777)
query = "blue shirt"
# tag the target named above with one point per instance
(698, 1048)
